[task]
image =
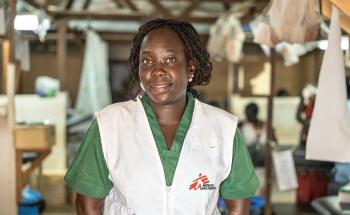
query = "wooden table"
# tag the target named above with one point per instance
(31, 138)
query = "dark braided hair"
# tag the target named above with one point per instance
(195, 51)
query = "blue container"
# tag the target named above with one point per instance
(257, 202)
(28, 209)
(221, 206)
(30, 204)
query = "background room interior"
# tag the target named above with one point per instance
(63, 60)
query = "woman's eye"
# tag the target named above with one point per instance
(146, 61)
(170, 60)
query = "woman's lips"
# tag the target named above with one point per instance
(159, 87)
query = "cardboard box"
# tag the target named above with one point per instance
(34, 137)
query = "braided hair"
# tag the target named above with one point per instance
(195, 51)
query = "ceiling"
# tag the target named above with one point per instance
(125, 16)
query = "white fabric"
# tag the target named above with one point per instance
(347, 56)
(22, 51)
(292, 52)
(226, 38)
(252, 134)
(139, 182)
(293, 21)
(329, 134)
(2, 20)
(94, 91)
(285, 172)
(265, 35)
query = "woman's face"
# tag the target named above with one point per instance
(163, 68)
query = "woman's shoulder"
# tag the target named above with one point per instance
(119, 107)
(212, 111)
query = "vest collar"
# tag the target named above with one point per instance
(182, 129)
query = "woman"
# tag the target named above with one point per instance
(167, 152)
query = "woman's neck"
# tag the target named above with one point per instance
(169, 114)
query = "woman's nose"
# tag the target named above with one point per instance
(158, 70)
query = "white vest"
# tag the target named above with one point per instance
(136, 170)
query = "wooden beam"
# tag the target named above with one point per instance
(118, 3)
(35, 163)
(11, 29)
(61, 53)
(190, 8)
(9, 44)
(192, 0)
(235, 68)
(36, 5)
(8, 181)
(8, 170)
(86, 4)
(11, 92)
(69, 4)
(135, 16)
(131, 5)
(33, 4)
(327, 12)
(209, 19)
(80, 15)
(343, 5)
(161, 9)
(5, 62)
(268, 153)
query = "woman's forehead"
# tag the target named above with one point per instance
(162, 37)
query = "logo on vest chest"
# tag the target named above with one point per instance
(202, 183)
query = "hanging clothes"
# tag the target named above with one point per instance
(263, 32)
(94, 89)
(22, 51)
(292, 21)
(2, 20)
(329, 133)
(226, 38)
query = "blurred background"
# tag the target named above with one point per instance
(63, 60)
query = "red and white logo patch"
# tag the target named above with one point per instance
(201, 183)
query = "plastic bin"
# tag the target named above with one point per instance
(31, 202)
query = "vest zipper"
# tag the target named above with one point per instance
(168, 188)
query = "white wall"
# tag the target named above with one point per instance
(34, 109)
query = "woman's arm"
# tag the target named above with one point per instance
(237, 207)
(89, 206)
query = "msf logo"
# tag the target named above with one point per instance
(201, 183)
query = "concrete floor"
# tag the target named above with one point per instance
(67, 210)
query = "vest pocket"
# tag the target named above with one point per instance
(213, 151)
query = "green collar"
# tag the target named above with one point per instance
(181, 130)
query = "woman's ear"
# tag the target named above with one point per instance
(191, 70)
(192, 66)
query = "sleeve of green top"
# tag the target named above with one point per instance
(88, 174)
(242, 181)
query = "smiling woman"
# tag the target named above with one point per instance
(163, 69)
(165, 152)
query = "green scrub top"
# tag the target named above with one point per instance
(89, 174)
